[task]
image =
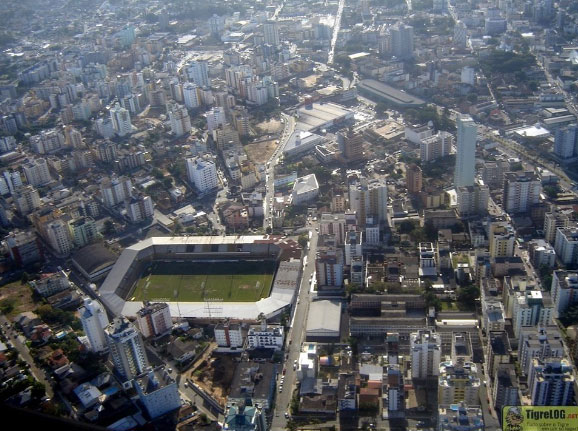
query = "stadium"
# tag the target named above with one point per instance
(211, 277)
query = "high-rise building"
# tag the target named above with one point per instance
(493, 173)
(460, 417)
(24, 247)
(460, 34)
(369, 199)
(425, 348)
(202, 173)
(229, 335)
(566, 142)
(521, 191)
(58, 237)
(198, 72)
(506, 389)
(179, 119)
(154, 319)
(414, 179)
(466, 152)
(126, 348)
(26, 199)
(457, 383)
(157, 391)
(351, 145)
(120, 119)
(395, 392)
(564, 290)
(553, 220)
(473, 200)
(539, 342)
(402, 41)
(435, 146)
(551, 382)
(115, 190)
(329, 264)
(216, 117)
(531, 307)
(271, 33)
(191, 95)
(94, 320)
(139, 208)
(566, 245)
(502, 240)
(9, 181)
(36, 172)
(83, 231)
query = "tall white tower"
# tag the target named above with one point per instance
(466, 152)
(120, 118)
(425, 348)
(198, 72)
(94, 320)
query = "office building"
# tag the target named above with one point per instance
(425, 349)
(414, 179)
(460, 417)
(36, 172)
(521, 191)
(120, 118)
(198, 72)
(551, 382)
(154, 319)
(566, 246)
(157, 391)
(305, 189)
(402, 43)
(564, 290)
(126, 347)
(271, 33)
(502, 240)
(94, 320)
(458, 382)
(202, 173)
(351, 145)
(466, 152)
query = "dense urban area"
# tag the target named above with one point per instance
(287, 215)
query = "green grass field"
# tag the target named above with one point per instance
(245, 281)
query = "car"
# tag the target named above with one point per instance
(286, 415)
(280, 389)
(170, 370)
(186, 385)
(284, 371)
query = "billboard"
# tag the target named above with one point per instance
(538, 418)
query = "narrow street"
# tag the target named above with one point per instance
(295, 337)
(25, 355)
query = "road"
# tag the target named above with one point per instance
(336, 27)
(296, 336)
(25, 355)
(288, 128)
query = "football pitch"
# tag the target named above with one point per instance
(244, 281)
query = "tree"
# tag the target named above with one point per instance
(168, 182)
(551, 191)
(25, 278)
(406, 226)
(467, 296)
(569, 316)
(109, 227)
(303, 239)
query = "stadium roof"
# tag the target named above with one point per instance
(282, 293)
(93, 257)
(388, 94)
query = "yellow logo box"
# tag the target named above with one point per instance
(534, 418)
